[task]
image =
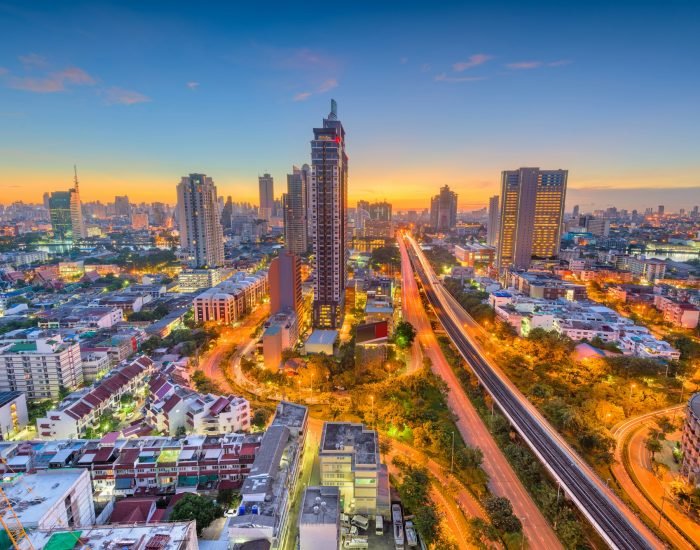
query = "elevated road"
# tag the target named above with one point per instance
(609, 516)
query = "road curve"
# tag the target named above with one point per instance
(613, 521)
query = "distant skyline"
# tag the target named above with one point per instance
(447, 93)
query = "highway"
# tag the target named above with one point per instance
(609, 516)
(503, 481)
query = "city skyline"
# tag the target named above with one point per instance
(471, 96)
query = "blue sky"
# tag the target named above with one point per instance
(140, 93)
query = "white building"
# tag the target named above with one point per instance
(319, 518)
(281, 332)
(13, 413)
(40, 368)
(51, 499)
(231, 299)
(192, 280)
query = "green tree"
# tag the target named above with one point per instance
(404, 334)
(196, 507)
(500, 511)
(653, 445)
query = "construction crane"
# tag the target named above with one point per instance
(10, 522)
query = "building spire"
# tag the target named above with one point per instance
(75, 177)
(334, 111)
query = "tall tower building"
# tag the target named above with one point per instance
(493, 221)
(443, 210)
(661, 210)
(380, 211)
(294, 213)
(329, 203)
(122, 206)
(201, 236)
(66, 213)
(285, 283)
(532, 207)
(266, 186)
(575, 212)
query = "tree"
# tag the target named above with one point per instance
(404, 334)
(198, 508)
(653, 445)
(500, 511)
(260, 417)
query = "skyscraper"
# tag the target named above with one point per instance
(493, 221)
(201, 236)
(443, 210)
(294, 213)
(285, 283)
(122, 206)
(532, 206)
(266, 186)
(66, 214)
(575, 212)
(661, 210)
(329, 201)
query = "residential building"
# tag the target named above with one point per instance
(319, 518)
(281, 333)
(84, 317)
(193, 280)
(82, 409)
(40, 368)
(14, 416)
(268, 489)
(690, 441)
(492, 225)
(532, 207)
(201, 235)
(50, 499)
(285, 283)
(266, 188)
(329, 191)
(231, 299)
(679, 314)
(151, 536)
(600, 227)
(649, 269)
(349, 459)
(295, 202)
(95, 364)
(122, 207)
(443, 210)
(472, 254)
(544, 285)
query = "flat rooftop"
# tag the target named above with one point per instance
(320, 505)
(322, 337)
(33, 495)
(291, 415)
(163, 536)
(345, 437)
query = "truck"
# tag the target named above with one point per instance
(397, 525)
(378, 525)
(411, 537)
(355, 543)
(361, 521)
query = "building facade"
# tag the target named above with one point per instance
(690, 441)
(532, 207)
(231, 299)
(493, 221)
(266, 188)
(294, 208)
(443, 210)
(329, 200)
(285, 283)
(201, 235)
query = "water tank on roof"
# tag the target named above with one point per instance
(254, 509)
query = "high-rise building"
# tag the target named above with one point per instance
(380, 211)
(443, 210)
(47, 196)
(575, 212)
(227, 213)
(266, 186)
(294, 210)
(329, 202)
(493, 222)
(201, 236)
(66, 214)
(532, 206)
(122, 206)
(662, 208)
(285, 283)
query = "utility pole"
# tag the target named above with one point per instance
(452, 460)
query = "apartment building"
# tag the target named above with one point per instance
(690, 441)
(679, 314)
(349, 459)
(83, 408)
(40, 367)
(80, 317)
(231, 299)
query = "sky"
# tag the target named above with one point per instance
(138, 94)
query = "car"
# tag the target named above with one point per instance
(231, 513)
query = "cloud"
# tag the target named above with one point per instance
(325, 86)
(302, 96)
(524, 65)
(473, 61)
(192, 85)
(403, 60)
(559, 63)
(33, 60)
(120, 96)
(443, 77)
(53, 82)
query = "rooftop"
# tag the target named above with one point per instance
(346, 437)
(322, 337)
(320, 505)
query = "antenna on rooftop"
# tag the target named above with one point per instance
(75, 177)
(334, 110)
